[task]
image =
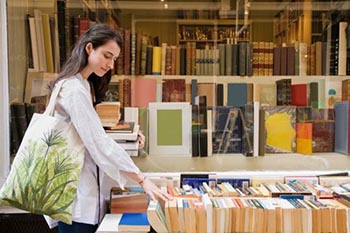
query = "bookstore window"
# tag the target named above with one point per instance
(252, 77)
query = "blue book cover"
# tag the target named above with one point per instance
(341, 127)
(237, 94)
(292, 196)
(134, 219)
(197, 182)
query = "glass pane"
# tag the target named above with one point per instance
(229, 53)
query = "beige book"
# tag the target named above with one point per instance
(342, 48)
(201, 221)
(40, 39)
(190, 217)
(330, 181)
(208, 90)
(34, 44)
(156, 217)
(109, 113)
(47, 42)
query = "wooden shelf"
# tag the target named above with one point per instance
(237, 162)
(232, 79)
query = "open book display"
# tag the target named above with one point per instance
(297, 205)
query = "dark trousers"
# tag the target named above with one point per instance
(76, 227)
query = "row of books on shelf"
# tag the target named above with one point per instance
(321, 93)
(302, 110)
(294, 118)
(51, 37)
(226, 214)
(141, 54)
(280, 204)
(243, 59)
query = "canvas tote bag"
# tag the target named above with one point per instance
(44, 174)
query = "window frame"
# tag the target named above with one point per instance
(4, 100)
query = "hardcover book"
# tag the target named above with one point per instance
(227, 130)
(284, 91)
(342, 127)
(280, 126)
(174, 90)
(323, 136)
(134, 222)
(304, 138)
(143, 92)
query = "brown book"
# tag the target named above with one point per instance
(277, 61)
(119, 70)
(173, 60)
(168, 57)
(188, 59)
(345, 93)
(323, 136)
(126, 201)
(127, 93)
(138, 53)
(127, 51)
(208, 90)
(84, 24)
(121, 93)
(290, 60)
(174, 90)
(284, 60)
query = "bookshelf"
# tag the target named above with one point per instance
(293, 22)
(210, 32)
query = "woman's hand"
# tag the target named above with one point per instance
(153, 191)
(142, 140)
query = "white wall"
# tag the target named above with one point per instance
(4, 96)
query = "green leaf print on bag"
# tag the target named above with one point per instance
(45, 179)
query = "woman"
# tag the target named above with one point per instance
(95, 52)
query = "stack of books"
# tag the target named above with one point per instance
(126, 135)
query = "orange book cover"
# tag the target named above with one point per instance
(304, 138)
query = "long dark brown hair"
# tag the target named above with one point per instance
(99, 86)
(97, 36)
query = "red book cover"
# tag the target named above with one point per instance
(299, 95)
(174, 90)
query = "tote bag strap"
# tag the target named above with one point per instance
(52, 103)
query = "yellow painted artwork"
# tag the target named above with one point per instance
(280, 133)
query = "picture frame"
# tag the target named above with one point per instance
(170, 128)
(37, 84)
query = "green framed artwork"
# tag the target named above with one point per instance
(170, 128)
